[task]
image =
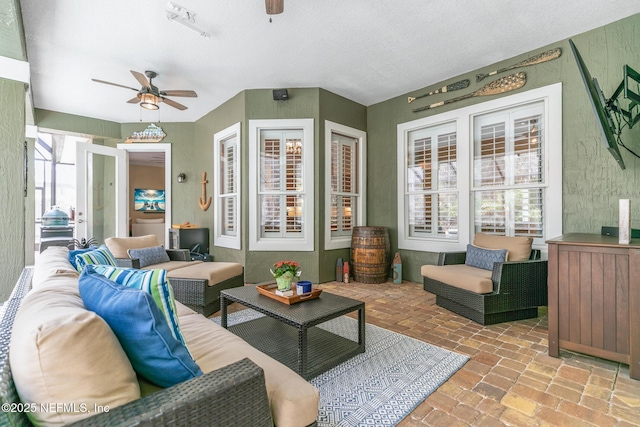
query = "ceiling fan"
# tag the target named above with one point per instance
(149, 96)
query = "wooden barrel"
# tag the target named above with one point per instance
(370, 254)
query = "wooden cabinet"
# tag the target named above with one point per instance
(594, 298)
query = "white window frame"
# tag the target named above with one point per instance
(305, 242)
(220, 238)
(340, 242)
(551, 96)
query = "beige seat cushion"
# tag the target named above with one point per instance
(215, 272)
(50, 263)
(120, 245)
(294, 402)
(171, 265)
(63, 353)
(518, 248)
(461, 276)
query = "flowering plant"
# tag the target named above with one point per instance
(286, 268)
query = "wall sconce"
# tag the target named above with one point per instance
(182, 177)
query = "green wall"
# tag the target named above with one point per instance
(13, 204)
(592, 181)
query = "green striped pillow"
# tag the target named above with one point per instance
(100, 256)
(154, 282)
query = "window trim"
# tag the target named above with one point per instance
(341, 242)
(220, 239)
(551, 96)
(292, 244)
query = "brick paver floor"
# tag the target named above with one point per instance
(510, 380)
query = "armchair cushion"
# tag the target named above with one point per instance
(461, 276)
(484, 258)
(149, 256)
(141, 329)
(518, 248)
(119, 246)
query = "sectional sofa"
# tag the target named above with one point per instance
(61, 363)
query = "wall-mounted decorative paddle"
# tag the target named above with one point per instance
(496, 87)
(543, 57)
(448, 88)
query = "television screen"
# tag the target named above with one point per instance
(598, 102)
(147, 200)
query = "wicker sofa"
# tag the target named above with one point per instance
(195, 284)
(60, 361)
(504, 291)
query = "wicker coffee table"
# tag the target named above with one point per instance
(289, 334)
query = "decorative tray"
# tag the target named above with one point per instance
(269, 290)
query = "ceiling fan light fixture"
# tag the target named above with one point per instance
(149, 101)
(274, 7)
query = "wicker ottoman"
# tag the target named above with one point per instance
(198, 286)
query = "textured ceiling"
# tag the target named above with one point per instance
(365, 50)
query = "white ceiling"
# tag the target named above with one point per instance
(365, 50)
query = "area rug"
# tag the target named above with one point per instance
(380, 386)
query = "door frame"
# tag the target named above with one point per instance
(156, 148)
(84, 165)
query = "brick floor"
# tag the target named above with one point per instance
(510, 379)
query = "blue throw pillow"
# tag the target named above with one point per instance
(484, 258)
(140, 327)
(71, 256)
(100, 256)
(149, 256)
(154, 282)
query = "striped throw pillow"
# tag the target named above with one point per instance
(154, 282)
(100, 256)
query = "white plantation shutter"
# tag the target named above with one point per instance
(432, 187)
(281, 192)
(344, 184)
(227, 187)
(509, 180)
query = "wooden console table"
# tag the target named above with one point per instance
(594, 298)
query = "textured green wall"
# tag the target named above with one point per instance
(348, 113)
(592, 181)
(11, 32)
(229, 113)
(52, 120)
(12, 201)
(14, 206)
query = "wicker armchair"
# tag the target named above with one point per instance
(234, 395)
(519, 288)
(194, 293)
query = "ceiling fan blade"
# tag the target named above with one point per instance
(134, 100)
(173, 103)
(113, 84)
(187, 93)
(141, 78)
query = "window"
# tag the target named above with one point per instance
(281, 185)
(432, 188)
(494, 167)
(508, 170)
(227, 187)
(345, 173)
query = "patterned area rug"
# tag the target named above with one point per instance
(382, 385)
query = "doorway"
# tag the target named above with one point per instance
(149, 177)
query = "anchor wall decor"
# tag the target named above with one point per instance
(203, 201)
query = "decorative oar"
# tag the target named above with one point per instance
(496, 87)
(203, 201)
(543, 57)
(448, 88)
